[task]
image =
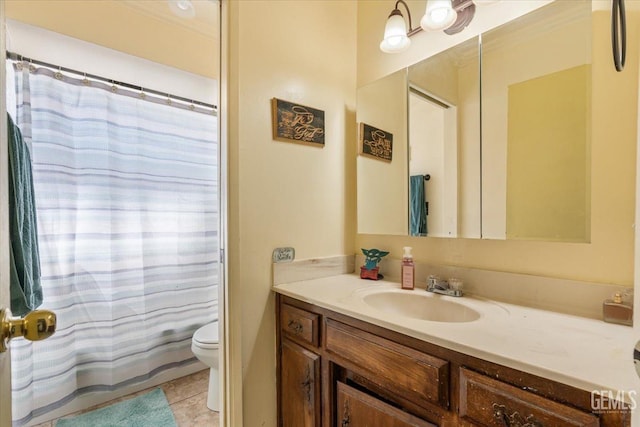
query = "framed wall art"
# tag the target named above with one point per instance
(375, 143)
(297, 123)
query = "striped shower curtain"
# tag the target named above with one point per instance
(126, 196)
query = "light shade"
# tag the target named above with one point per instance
(438, 16)
(395, 34)
(182, 8)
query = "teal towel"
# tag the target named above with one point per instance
(417, 207)
(26, 292)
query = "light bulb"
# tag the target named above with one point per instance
(395, 34)
(183, 4)
(438, 16)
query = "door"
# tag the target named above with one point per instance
(41, 324)
(5, 360)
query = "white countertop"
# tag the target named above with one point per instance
(585, 353)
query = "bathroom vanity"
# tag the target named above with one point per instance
(346, 359)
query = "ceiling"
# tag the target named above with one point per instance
(204, 22)
(144, 28)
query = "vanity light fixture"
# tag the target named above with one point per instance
(396, 37)
(465, 11)
(452, 16)
(439, 15)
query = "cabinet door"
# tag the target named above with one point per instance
(357, 409)
(299, 386)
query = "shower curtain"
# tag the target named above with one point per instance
(126, 195)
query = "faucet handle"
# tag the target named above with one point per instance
(435, 282)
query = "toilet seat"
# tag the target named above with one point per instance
(206, 337)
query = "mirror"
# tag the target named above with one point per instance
(382, 184)
(536, 122)
(444, 149)
(534, 178)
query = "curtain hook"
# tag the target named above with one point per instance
(85, 80)
(58, 74)
(142, 94)
(192, 107)
(32, 67)
(169, 99)
(114, 88)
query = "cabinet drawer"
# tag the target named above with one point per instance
(357, 409)
(416, 376)
(494, 403)
(299, 325)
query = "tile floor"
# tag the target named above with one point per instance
(187, 397)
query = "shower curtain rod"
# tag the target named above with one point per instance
(16, 57)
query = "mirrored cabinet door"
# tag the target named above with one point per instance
(536, 125)
(491, 138)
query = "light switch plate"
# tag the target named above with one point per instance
(283, 255)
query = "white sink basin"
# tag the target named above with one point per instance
(420, 306)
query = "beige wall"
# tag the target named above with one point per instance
(285, 194)
(134, 27)
(609, 256)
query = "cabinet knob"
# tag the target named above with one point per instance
(501, 413)
(295, 326)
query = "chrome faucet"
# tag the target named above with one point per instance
(441, 286)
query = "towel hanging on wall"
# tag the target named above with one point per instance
(25, 289)
(417, 206)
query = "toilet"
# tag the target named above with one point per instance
(204, 346)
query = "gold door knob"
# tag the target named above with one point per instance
(35, 326)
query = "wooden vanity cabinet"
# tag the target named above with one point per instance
(334, 370)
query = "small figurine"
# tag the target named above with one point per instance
(370, 268)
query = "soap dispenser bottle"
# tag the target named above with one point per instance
(618, 309)
(408, 269)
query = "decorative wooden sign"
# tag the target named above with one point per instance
(375, 143)
(297, 123)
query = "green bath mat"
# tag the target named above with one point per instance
(147, 410)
